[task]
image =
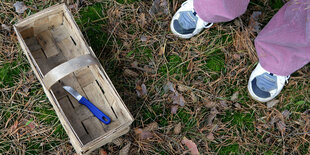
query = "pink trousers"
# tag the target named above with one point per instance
(283, 46)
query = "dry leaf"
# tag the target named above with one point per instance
(234, 97)
(254, 24)
(5, 27)
(142, 19)
(182, 88)
(174, 109)
(162, 50)
(212, 115)
(210, 136)
(151, 127)
(286, 114)
(237, 105)
(125, 149)
(272, 103)
(142, 134)
(281, 126)
(128, 72)
(191, 146)
(159, 6)
(169, 86)
(143, 38)
(177, 129)
(102, 152)
(210, 104)
(118, 141)
(194, 98)
(178, 99)
(223, 104)
(20, 7)
(141, 89)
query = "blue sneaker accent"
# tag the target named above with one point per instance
(263, 84)
(186, 23)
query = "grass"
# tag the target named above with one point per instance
(213, 66)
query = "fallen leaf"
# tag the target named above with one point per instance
(210, 136)
(237, 105)
(143, 38)
(212, 115)
(125, 149)
(234, 96)
(194, 98)
(5, 27)
(254, 24)
(191, 146)
(286, 114)
(159, 6)
(281, 126)
(209, 104)
(174, 109)
(151, 127)
(102, 152)
(20, 7)
(128, 72)
(169, 86)
(182, 88)
(177, 129)
(162, 50)
(118, 141)
(142, 20)
(272, 103)
(141, 89)
(178, 99)
(223, 104)
(142, 134)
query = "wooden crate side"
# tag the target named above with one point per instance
(87, 150)
(48, 13)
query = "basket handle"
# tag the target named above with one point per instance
(68, 67)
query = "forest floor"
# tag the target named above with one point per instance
(156, 73)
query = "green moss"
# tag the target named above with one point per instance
(127, 1)
(11, 72)
(231, 149)
(241, 120)
(276, 4)
(91, 21)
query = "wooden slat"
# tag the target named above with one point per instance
(84, 76)
(32, 44)
(70, 80)
(27, 33)
(56, 19)
(76, 124)
(41, 25)
(95, 96)
(60, 33)
(47, 43)
(68, 48)
(94, 127)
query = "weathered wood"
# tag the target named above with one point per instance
(76, 124)
(94, 127)
(50, 38)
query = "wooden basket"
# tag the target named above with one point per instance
(59, 55)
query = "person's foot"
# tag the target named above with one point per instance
(186, 23)
(264, 86)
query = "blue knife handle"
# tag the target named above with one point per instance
(98, 113)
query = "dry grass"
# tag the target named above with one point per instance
(206, 70)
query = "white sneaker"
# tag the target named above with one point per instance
(186, 23)
(264, 86)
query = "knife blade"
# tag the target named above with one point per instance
(98, 113)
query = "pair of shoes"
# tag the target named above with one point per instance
(186, 23)
(263, 86)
